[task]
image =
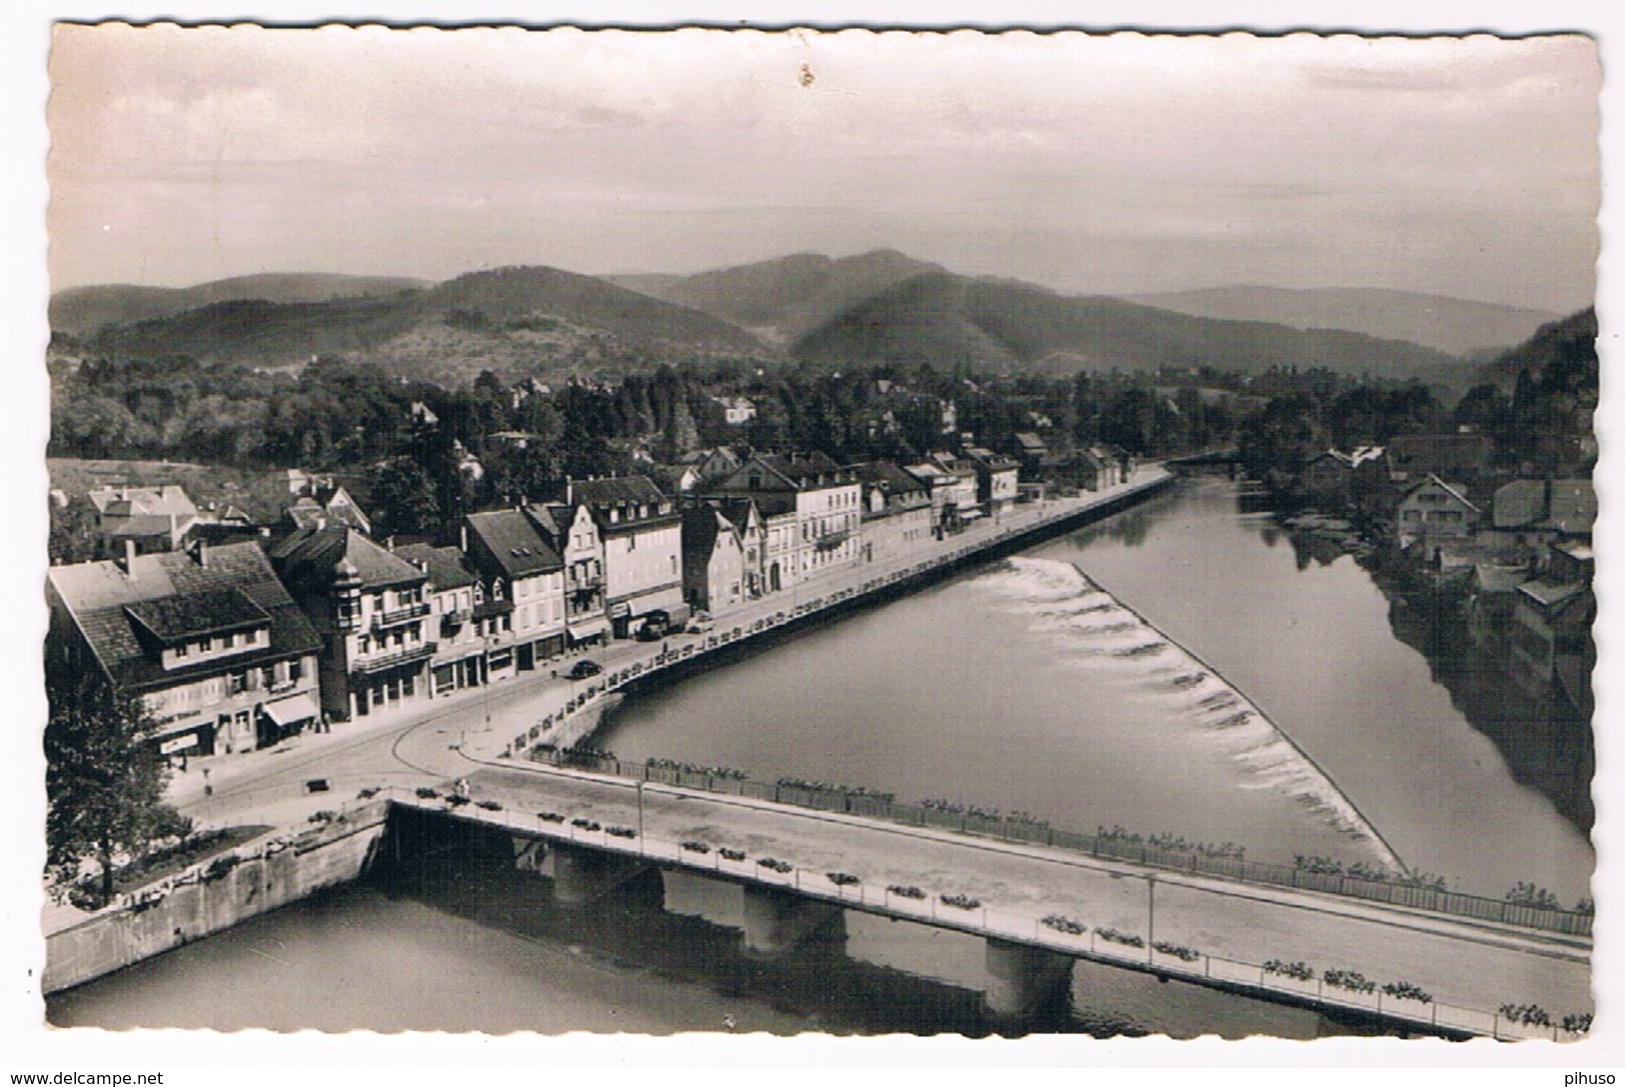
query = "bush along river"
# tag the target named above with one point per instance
(1177, 670)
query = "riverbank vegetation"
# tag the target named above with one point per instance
(104, 786)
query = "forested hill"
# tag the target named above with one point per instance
(948, 320)
(1561, 353)
(1453, 325)
(511, 321)
(81, 311)
(781, 299)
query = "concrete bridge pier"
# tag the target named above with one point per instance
(776, 920)
(582, 876)
(1025, 979)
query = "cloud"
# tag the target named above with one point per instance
(425, 138)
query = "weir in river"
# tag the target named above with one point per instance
(1099, 633)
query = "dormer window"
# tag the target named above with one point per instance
(496, 589)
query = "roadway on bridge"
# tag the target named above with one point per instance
(1468, 964)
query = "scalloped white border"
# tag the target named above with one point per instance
(256, 1057)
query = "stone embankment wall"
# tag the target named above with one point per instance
(578, 719)
(205, 899)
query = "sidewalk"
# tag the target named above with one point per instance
(546, 691)
(518, 703)
(817, 593)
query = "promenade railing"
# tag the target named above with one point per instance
(1103, 846)
(973, 916)
(1395, 891)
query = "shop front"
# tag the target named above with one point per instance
(286, 717)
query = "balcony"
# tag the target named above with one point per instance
(399, 615)
(378, 662)
(831, 540)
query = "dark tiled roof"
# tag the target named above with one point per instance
(888, 478)
(806, 470)
(736, 510)
(551, 521)
(190, 615)
(701, 526)
(310, 512)
(99, 597)
(306, 559)
(616, 491)
(445, 565)
(513, 542)
(1521, 502)
(989, 459)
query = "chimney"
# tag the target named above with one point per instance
(129, 558)
(462, 531)
(203, 554)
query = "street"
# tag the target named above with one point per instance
(425, 742)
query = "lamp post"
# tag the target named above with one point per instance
(485, 642)
(1151, 914)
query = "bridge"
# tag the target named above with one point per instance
(1038, 907)
(1206, 458)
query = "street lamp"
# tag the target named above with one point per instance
(1151, 914)
(485, 642)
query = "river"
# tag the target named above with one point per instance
(1016, 685)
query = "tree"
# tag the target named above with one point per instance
(73, 535)
(406, 499)
(104, 780)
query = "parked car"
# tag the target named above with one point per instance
(585, 668)
(700, 623)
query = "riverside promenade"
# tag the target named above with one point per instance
(572, 712)
(429, 742)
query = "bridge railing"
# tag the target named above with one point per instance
(973, 916)
(1108, 846)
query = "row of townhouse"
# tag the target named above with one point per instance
(237, 646)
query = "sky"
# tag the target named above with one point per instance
(1120, 163)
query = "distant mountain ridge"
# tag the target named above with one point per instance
(1452, 325)
(80, 311)
(782, 299)
(878, 306)
(511, 320)
(947, 319)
